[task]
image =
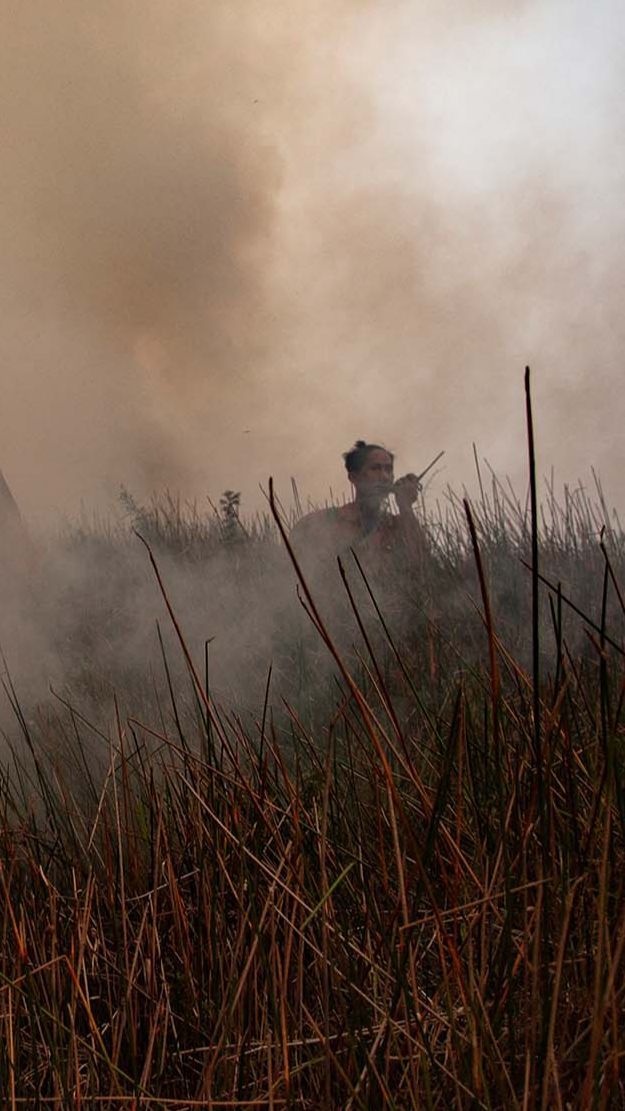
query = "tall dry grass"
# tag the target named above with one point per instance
(417, 902)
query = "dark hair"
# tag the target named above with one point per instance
(356, 457)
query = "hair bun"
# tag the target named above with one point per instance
(355, 458)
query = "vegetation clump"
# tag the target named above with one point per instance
(404, 890)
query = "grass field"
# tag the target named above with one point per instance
(387, 871)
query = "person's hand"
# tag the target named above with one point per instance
(406, 491)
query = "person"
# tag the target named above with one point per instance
(365, 524)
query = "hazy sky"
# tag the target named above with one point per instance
(236, 236)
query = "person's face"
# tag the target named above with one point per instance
(375, 478)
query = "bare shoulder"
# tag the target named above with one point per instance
(314, 523)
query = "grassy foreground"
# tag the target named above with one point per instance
(419, 903)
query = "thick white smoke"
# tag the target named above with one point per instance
(236, 238)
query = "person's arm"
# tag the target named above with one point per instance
(310, 540)
(406, 491)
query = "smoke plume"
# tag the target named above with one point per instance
(237, 237)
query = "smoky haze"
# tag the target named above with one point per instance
(238, 237)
